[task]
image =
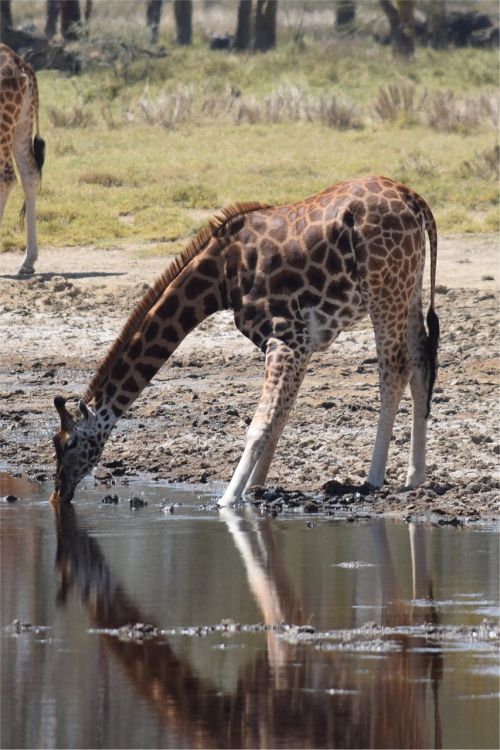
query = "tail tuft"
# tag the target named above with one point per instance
(432, 348)
(39, 156)
(39, 152)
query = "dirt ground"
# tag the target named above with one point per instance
(189, 424)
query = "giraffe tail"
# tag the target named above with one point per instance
(38, 142)
(432, 318)
(39, 152)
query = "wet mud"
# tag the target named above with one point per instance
(189, 424)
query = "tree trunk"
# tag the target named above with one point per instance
(5, 13)
(346, 12)
(400, 16)
(88, 10)
(265, 25)
(52, 14)
(70, 19)
(437, 22)
(183, 12)
(243, 28)
(153, 17)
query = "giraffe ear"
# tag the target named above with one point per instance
(86, 413)
(67, 421)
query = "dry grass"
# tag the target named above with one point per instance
(286, 103)
(393, 101)
(167, 110)
(446, 111)
(442, 110)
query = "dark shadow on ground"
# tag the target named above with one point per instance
(48, 276)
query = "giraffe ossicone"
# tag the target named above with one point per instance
(18, 118)
(294, 276)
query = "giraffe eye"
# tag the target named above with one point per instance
(72, 443)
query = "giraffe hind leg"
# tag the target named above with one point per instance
(422, 349)
(394, 373)
(29, 172)
(284, 372)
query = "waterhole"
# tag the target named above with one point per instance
(164, 622)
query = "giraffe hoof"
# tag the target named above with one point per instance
(25, 271)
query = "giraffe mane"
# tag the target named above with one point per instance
(152, 295)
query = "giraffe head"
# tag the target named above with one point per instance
(78, 445)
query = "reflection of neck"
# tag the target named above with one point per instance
(83, 566)
(155, 670)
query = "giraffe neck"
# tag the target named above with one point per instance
(193, 296)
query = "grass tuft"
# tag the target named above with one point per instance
(103, 179)
(397, 103)
(484, 165)
(195, 196)
(446, 111)
(77, 116)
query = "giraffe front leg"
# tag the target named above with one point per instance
(284, 372)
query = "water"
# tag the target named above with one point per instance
(398, 657)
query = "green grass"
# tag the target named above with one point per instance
(110, 177)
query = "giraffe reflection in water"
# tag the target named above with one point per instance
(290, 695)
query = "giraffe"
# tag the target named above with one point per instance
(18, 115)
(295, 276)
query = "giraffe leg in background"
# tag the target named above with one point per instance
(29, 173)
(18, 119)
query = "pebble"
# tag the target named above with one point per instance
(110, 499)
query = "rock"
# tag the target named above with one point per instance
(310, 507)
(137, 502)
(110, 499)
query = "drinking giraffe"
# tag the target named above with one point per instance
(295, 276)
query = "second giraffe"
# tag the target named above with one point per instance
(18, 117)
(295, 277)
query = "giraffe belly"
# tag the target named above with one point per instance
(325, 321)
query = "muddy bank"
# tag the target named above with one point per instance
(189, 424)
